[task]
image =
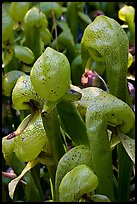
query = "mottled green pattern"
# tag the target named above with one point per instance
(75, 157)
(104, 109)
(99, 109)
(99, 102)
(105, 41)
(7, 148)
(77, 182)
(29, 140)
(32, 140)
(50, 75)
(23, 92)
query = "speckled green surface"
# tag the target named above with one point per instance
(77, 182)
(75, 157)
(105, 41)
(29, 141)
(23, 92)
(50, 75)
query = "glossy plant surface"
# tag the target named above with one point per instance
(68, 107)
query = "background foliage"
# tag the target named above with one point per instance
(62, 31)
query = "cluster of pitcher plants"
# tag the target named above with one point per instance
(68, 111)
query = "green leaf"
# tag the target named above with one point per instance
(12, 185)
(129, 145)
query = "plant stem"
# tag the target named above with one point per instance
(52, 128)
(52, 172)
(72, 122)
(35, 172)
